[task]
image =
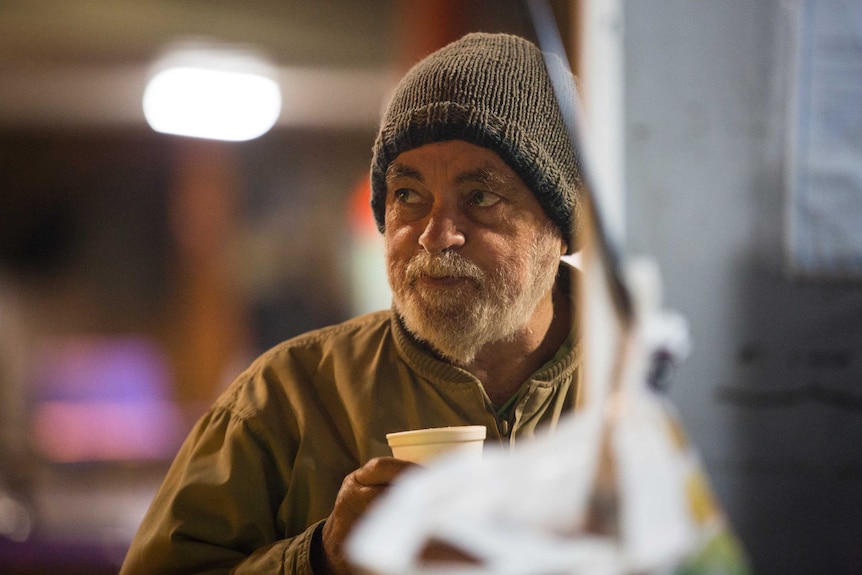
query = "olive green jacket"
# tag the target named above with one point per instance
(260, 470)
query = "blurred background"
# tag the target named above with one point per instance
(140, 271)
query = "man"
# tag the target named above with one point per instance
(474, 186)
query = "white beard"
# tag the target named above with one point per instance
(487, 308)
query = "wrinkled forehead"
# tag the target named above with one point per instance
(458, 163)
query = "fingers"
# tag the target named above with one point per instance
(365, 484)
(381, 471)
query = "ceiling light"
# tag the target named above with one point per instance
(213, 93)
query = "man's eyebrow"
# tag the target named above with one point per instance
(396, 170)
(484, 174)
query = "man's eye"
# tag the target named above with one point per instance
(483, 198)
(406, 195)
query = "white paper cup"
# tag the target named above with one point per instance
(420, 445)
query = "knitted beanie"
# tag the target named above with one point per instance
(492, 90)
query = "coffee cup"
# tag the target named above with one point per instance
(422, 445)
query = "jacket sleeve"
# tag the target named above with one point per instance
(217, 509)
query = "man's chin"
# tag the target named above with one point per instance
(451, 300)
(444, 335)
(458, 355)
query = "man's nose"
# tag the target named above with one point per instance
(442, 232)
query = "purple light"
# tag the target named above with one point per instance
(105, 398)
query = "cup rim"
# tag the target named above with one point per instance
(455, 433)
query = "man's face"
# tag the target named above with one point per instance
(469, 251)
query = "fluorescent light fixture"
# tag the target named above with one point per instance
(213, 93)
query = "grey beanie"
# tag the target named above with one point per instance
(492, 90)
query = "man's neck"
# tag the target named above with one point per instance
(503, 366)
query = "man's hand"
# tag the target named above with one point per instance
(357, 491)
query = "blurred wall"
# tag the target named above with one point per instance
(771, 390)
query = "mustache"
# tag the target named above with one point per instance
(444, 264)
